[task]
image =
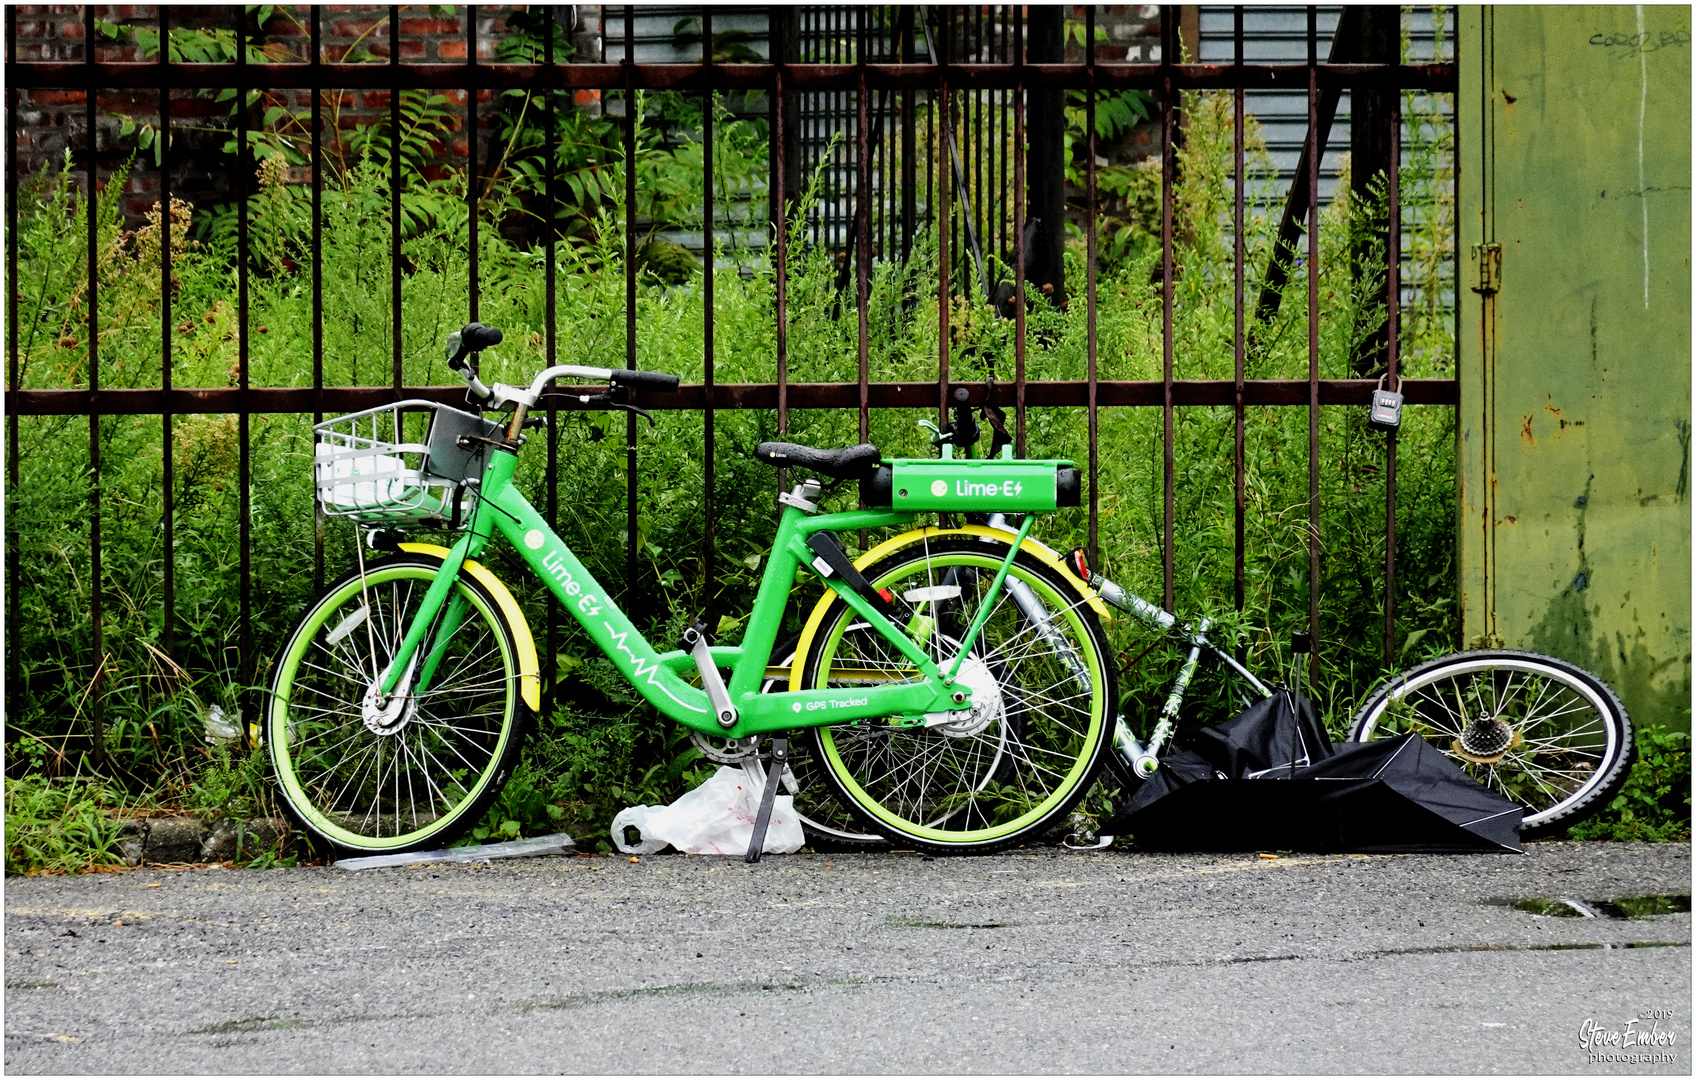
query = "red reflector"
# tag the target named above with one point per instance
(1079, 566)
(888, 597)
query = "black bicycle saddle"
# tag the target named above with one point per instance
(848, 463)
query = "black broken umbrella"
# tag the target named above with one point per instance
(1269, 779)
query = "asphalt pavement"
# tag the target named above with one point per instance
(1033, 961)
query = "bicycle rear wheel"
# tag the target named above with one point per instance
(1009, 770)
(419, 770)
(1544, 733)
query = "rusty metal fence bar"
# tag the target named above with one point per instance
(260, 400)
(1019, 310)
(1092, 372)
(709, 566)
(316, 60)
(12, 315)
(697, 78)
(244, 475)
(550, 274)
(946, 80)
(1168, 163)
(1315, 152)
(628, 81)
(1392, 326)
(96, 703)
(168, 523)
(1238, 186)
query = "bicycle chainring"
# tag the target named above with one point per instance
(726, 751)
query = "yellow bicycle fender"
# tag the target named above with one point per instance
(1035, 548)
(529, 683)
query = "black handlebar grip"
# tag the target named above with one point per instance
(477, 337)
(471, 338)
(646, 380)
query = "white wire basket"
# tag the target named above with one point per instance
(402, 465)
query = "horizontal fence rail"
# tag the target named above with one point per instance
(705, 78)
(939, 79)
(696, 396)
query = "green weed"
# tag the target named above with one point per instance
(1654, 805)
(59, 826)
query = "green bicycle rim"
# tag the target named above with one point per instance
(1064, 790)
(277, 735)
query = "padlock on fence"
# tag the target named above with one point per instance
(1386, 411)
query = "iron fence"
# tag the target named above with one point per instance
(893, 63)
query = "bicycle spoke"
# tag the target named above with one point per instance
(1581, 706)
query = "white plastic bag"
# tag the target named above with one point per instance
(716, 818)
(635, 817)
(342, 472)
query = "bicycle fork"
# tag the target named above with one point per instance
(1146, 759)
(428, 636)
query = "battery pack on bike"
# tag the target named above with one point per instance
(985, 486)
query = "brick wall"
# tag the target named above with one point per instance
(51, 121)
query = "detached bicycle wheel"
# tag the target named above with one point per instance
(1041, 680)
(1544, 733)
(413, 772)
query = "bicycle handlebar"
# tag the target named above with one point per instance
(475, 337)
(646, 380)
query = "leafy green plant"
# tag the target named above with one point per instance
(1654, 804)
(59, 826)
(233, 783)
(282, 129)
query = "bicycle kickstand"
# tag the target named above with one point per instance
(768, 797)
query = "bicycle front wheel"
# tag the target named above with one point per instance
(417, 770)
(1041, 680)
(1544, 733)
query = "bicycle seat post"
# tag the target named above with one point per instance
(804, 497)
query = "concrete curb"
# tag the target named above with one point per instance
(193, 840)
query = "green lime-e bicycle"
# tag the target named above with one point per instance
(955, 683)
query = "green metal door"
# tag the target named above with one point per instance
(1573, 318)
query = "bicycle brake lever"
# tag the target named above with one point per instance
(638, 410)
(610, 400)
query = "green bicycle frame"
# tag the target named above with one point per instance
(657, 676)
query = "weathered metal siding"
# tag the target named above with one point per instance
(1575, 372)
